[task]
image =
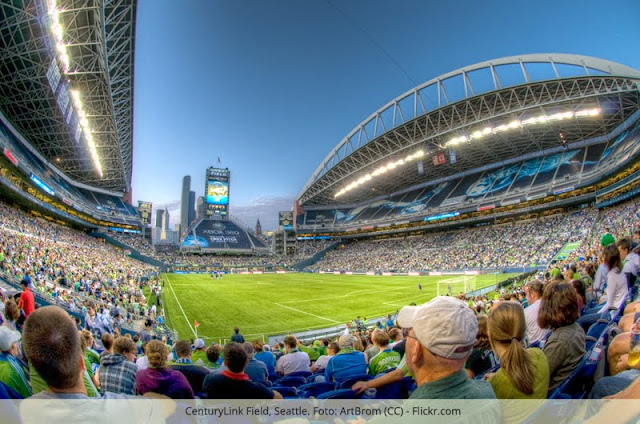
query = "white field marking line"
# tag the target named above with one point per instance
(307, 313)
(366, 291)
(453, 280)
(394, 301)
(180, 306)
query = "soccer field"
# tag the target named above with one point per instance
(271, 304)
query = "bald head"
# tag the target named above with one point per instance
(52, 345)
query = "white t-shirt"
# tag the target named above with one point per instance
(321, 362)
(534, 332)
(617, 289)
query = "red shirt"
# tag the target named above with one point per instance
(27, 303)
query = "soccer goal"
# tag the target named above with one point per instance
(457, 285)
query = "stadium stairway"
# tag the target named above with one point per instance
(315, 258)
(134, 253)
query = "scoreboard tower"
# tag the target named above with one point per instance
(216, 193)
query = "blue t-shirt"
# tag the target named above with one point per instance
(269, 360)
(256, 370)
(347, 363)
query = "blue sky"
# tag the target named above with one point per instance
(272, 86)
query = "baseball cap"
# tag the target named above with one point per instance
(444, 325)
(198, 344)
(7, 338)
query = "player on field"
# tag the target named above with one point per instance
(420, 287)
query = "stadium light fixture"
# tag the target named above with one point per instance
(379, 171)
(61, 48)
(535, 120)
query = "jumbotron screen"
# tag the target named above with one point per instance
(217, 192)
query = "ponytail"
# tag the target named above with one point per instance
(518, 366)
(507, 327)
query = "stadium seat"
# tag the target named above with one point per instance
(312, 377)
(304, 374)
(579, 383)
(285, 391)
(396, 390)
(339, 394)
(489, 371)
(315, 389)
(290, 381)
(350, 381)
(7, 392)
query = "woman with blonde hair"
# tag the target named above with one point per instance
(523, 373)
(160, 379)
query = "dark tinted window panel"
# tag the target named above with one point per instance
(370, 210)
(482, 185)
(397, 203)
(526, 175)
(548, 169)
(503, 180)
(570, 165)
(594, 153)
(442, 191)
(630, 146)
(462, 188)
(321, 217)
(620, 143)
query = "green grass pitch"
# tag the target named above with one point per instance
(271, 304)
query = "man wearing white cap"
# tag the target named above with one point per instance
(441, 338)
(12, 372)
(199, 355)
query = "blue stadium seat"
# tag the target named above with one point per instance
(597, 328)
(290, 381)
(285, 391)
(6, 392)
(397, 389)
(304, 374)
(346, 383)
(579, 383)
(312, 377)
(339, 394)
(315, 389)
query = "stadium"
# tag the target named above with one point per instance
(480, 193)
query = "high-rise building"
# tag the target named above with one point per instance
(184, 205)
(159, 216)
(165, 220)
(192, 206)
(258, 228)
(200, 207)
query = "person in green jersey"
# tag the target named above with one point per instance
(386, 358)
(607, 238)
(199, 355)
(12, 373)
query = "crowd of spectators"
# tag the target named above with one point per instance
(516, 244)
(135, 241)
(304, 249)
(521, 342)
(74, 270)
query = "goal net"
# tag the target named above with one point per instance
(457, 285)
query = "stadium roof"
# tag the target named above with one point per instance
(66, 83)
(481, 114)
